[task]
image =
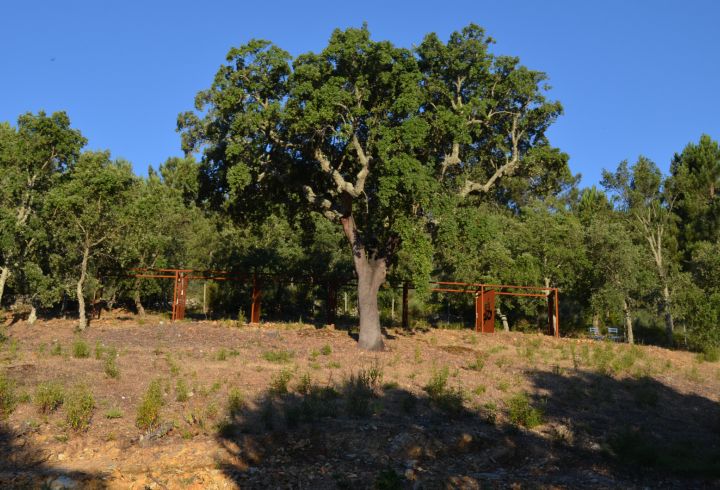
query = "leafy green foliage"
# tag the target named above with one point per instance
(49, 396)
(79, 407)
(148, 412)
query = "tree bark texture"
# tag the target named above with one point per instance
(138, 302)
(503, 319)
(371, 272)
(4, 275)
(82, 323)
(669, 323)
(628, 323)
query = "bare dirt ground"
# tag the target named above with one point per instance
(293, 406)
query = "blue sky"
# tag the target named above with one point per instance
(635, 77)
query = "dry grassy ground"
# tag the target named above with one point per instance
(292, 406)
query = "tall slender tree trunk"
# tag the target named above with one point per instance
(138, 303)
(628, 323)
(32, 317)
(82, 323)
(669, 323)
(4, 275)
(503, 319)
(371, 272)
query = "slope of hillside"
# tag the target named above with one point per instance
(211, 405)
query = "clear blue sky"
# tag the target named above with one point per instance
(635, 77)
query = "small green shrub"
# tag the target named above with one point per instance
(99, 350)
(221, 355)
(304, 385)
(148, 413)
(173, 365)
(111, 368)
(79, 407)
(8, 400)
(449, 400)
(235, 403)
(182, 393)
(710, 354)
(279, 382)
(521, 412)
(113, 413)
(359, 391)
(56, 350)
(478, 364)
(278, 357)
(49, 396)
(80, 349)
(326, 350)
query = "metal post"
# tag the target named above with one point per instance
(175, 295)
(405, 312)
(255, 307)
(557, 314)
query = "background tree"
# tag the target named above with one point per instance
(32, 157)
(87, 212)
(640, 193)
(372, 136)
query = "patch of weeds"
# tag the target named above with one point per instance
(79, 407)
(448, 399)
(710, 354)
(110, 367)
(522, 413)
(489, 412)
(502, 361)
(418, 356)
(314, 354)
(326, 350)
(49, 396)
(173, 365)
(221, 355)
(42, 349)
(8, 401)
(314, 365)
(279, 356)
(304, 385)
(211, 411)
(56, 349)
(148, 412)
(387, 479)
(390, 385)
(603, 357)
(182, 392)
(479, 390)
(279, 382)
(24, 397)
(478, 364)
(235, 403)
(234, 353)
(693, 374)
(315, 404)
(503, 386)
(215, 387)
(113, 413)
(497, 349)
(61, 438)
(80, 349)
(334, 365)
(99, 350)
(359, 391)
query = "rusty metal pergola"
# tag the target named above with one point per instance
(484, 295)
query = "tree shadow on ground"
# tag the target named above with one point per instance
(23, 465)
(357, 433)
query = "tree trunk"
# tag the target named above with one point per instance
(138, 303)
(628, 323)
(503, 319)
(4, 274)
(669, 324)
(32, 317)
(371, 273)
(82, 323)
